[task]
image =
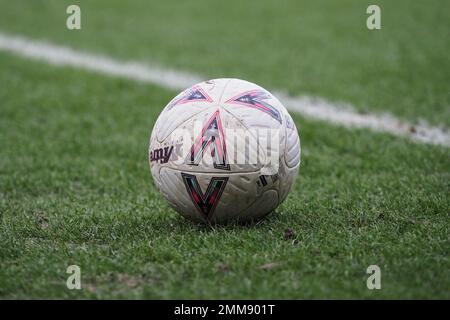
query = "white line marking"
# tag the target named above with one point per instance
(345, 115)
(316, 108)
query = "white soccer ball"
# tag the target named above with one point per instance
(224, 150)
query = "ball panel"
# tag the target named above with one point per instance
(263, 205)
(187, 104)
(254, 106)
(193, 196)
(292, 149)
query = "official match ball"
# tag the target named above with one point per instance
(224, 150)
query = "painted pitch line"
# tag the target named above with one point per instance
(311, 107)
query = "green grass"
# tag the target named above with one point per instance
(306, 47)
(75, 188)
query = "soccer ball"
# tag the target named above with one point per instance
(224, 150)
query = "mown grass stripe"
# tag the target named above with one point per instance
(311, 107)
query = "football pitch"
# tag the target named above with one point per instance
(75, 183)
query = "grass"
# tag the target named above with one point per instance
(319, 48)
(75, 188)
